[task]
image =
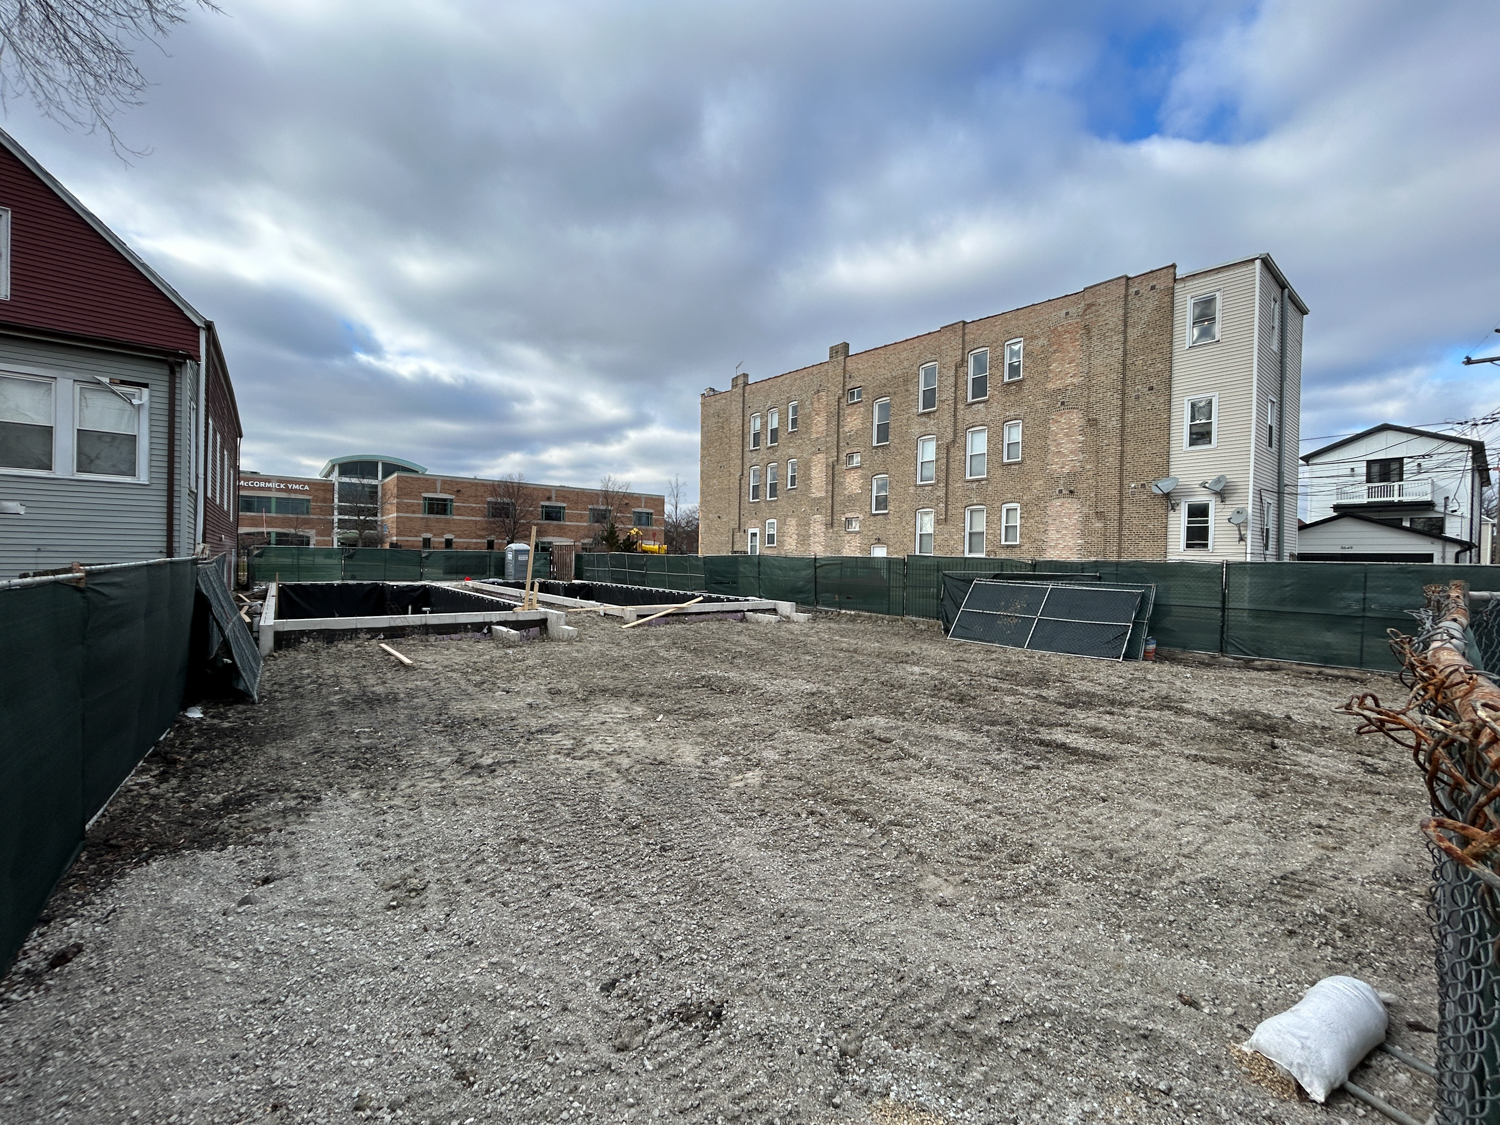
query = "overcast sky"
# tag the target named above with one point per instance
(523, 237)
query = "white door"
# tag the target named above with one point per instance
(754, 536)
(877, 551)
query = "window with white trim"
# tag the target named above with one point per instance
(976, 452)
(752, 540)
(974, 532)
(755, 431)
(926, 388)
(856, 394)
(1011, 448)
(1010, 525)
(770, 533)
(754, 482)
(880, 494)
(979, 374)
(881, 431)
(1013, 361)
(851, 460)
(1198, 525)
(107, 430)
(791, 474)
(791, 419)
(925, 519)
(851, 523)
(773, 427)
(927, 459)
(1271, 424)
(1276, 323)
(28, 419)
(1267, 518)
(1200, 422)
(1203, 319)
(772, 482)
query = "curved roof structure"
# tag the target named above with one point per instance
(401, 463)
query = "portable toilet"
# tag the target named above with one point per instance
(516, 555)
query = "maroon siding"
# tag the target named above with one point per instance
(66, 277)
(221, 516)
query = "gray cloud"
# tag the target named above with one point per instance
(497, 238)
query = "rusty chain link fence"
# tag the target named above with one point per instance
(1450, 724)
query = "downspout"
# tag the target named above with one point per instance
(201, 393)
(1281, 437)
(174, 375)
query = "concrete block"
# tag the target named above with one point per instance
(799, 618)
(505, 636)
(786, 609)
(556, 619)
(761, 618)
(562, 633)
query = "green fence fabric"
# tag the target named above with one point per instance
(867, 585)
(788, 579)
(90, 678)
(383, 564)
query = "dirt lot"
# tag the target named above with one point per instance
(837, 872)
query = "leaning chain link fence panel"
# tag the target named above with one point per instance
(1450, 724)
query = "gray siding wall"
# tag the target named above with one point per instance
(79, 519)
(1262, 492)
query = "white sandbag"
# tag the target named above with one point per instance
(1325, 1035)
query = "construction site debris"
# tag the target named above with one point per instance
(394, 653)
(1325, 1035)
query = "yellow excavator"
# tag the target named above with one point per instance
(648, 548)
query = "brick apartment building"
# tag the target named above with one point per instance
(381, 501)
(1038, 432)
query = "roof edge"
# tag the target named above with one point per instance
(1270, 265)
(1481, 454)
(1394, 527)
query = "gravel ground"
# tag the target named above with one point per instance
(837, 872)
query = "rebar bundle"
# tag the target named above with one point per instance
(1450, 724)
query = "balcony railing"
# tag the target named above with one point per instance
(1389, 492)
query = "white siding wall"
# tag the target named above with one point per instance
(1351, 537)
(1227, 369)
(77, 519)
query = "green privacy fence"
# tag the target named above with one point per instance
(382, 564)
(90, 677)
(1318, 613)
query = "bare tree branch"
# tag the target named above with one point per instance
(510, 506)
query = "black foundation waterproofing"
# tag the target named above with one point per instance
(299, 601)
(610, 593)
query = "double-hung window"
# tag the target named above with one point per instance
(974, 532)
(882, 416)
(1010, 525)
(772, 482)
(1198, 525)
(773, 428)
(1013, 361)
(926, 460)
(754, 482)
(1012, 448)
(927, 388)
(880, 494)
(28, 414)
(1200, 422)
(1203, 325)
(791, 473)
(791, 419)
(1271, 424)
(976, 451)
(106, 440)
(770, 533)
(755, 431)
(924, 531)
(979, 374)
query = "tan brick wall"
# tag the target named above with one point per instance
(1093, 403)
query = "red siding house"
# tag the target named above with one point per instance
(119, 433)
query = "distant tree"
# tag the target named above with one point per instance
(510, 508)
(680, 530)
(75, 59)
(611, 534)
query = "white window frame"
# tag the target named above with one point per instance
(931, 533)
(1183, 522)
(773, 427)
(773, 481)
(791, 474)
(1272, 437)
(58, 437)
(972, 397)
(1020, 361)
(754, 431)
(1010, 525)
(755, 484)
(856, 394)
(1218, 296)
(1275, 303)
(851, 523)
(791, 417)
(1187, 421)
(932, 438)
(852, 460)
(875, 422)
(923, 388)
(142, 433)
(1267, 520)
(1005, 442)
(970, 530)
(969, 453)
(5, 255)
(875, 493)
(770, 533)
(752, 540)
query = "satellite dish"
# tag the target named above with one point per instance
(1217, 485)
(1164, 486)
(1238, 517)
